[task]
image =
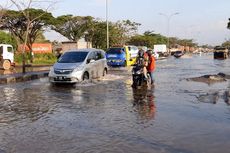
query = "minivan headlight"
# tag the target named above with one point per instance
(79, 68)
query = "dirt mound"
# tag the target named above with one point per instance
(209, 79)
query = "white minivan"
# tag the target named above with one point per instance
(78, 65)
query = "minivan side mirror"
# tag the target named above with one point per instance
(90, 61)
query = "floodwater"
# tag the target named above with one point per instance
(108, 116)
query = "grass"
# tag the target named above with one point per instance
(39, 59)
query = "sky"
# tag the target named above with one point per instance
(204, 21)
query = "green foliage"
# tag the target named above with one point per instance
(226, 44)
(149, 39)
(16, 23)
(48, 58)
(6, 38)
(73, 27)
(26, 22)
(39, 59)
(187, 42)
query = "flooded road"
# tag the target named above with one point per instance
(107, 115)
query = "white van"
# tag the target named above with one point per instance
(133, 51)
(78, 65)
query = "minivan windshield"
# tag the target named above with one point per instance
(115, 50)
(73, 57)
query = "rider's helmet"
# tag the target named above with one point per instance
(141, 51)
(149, 52)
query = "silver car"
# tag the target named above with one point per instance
(78, 65)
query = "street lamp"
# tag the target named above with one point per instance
(168, 17)
(107, 24)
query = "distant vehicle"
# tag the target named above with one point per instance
(6, 56)
(133, 51)
(178, 54)
(161, 49)
(116, 56)
(155, 54)
(221, 52)
(78, 65)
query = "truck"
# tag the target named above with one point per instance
(6, 56)
(220, 52)
(161, 49)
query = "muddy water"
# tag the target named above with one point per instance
(107, 115)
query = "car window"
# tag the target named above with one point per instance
(102, 54)
(99, 55)
(10, 49)
(1, 50)
(72, 57)
(92, 55)
(115, 50)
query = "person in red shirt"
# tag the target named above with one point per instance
(151, 65)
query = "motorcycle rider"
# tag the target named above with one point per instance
(151, 65)
(142, 60)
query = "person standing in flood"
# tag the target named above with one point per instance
(151, 65)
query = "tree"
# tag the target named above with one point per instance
(149, 39)
(26, 28)
(187, 42)
(127, 29)
(98, 35)
(25, 23)
(6, 38)
(73, 27)
(226, 44)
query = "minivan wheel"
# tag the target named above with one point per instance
(85, 76)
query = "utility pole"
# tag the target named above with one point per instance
(107, 23)
(168, 17)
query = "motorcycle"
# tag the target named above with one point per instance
(139, 79)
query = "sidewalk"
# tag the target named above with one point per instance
(16, 75)
(20, 77)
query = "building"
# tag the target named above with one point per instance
(68, 45)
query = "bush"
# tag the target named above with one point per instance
(39, 59)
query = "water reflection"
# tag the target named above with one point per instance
(25, 103)
(143, 103)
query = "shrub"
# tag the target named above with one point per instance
(46, 58)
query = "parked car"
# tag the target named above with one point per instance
(178, 54)
(116, 56)
(78, 65)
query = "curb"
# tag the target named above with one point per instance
(20, 77)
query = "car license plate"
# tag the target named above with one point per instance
(60, 78)
(112, 55)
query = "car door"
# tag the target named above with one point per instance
(99, 61)
(92, 64)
